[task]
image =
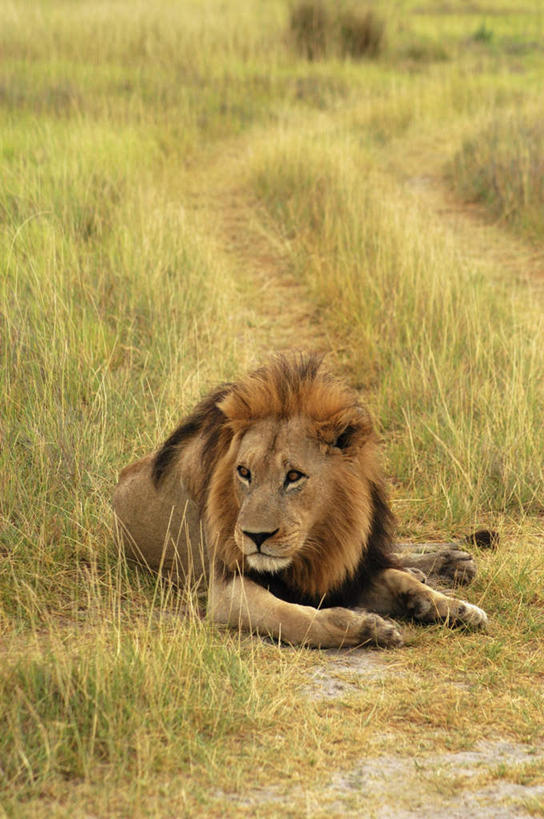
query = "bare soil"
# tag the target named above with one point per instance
(491, 781)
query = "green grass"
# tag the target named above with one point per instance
(119, 307)
(96, 259)
(158, 698)
(129, 64)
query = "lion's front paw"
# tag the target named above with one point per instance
(428, 606)
(363, 628)
(459, 613)
(470, 615)
(377, 631)
(454, 566)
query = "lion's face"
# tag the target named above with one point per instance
(289, 468)
(281, 479)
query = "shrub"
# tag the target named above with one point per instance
(319, 28)
(361, 33)
(310, 27)
(483, 34)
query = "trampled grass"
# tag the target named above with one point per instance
(116, 697)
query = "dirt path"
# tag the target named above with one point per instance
(279, 317)
(482, 241)
(443, 786)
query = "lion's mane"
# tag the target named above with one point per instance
(351, 541)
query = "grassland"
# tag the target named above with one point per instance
(130, 136)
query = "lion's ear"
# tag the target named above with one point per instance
(348, 429)
(346, 438)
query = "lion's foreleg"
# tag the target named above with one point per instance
(399, 594)
(239, 602)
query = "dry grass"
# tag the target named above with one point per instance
(503, 168)
(310, 24)
(432, 379)
(118, 311)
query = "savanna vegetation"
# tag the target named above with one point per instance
(131, 134)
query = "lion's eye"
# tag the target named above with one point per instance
(244, 473)
(293, 476)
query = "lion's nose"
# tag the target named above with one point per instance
(259, 538)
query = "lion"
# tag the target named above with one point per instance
(271, 492)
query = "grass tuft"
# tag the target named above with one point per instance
(319, 29)
(310, 24)
(483, 33)
(361, 32)
(128, 701)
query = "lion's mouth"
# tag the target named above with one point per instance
(262, 562)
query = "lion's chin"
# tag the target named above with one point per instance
(266, 563)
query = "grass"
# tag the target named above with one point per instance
(120, 306)
(142, 697)
(375, 274)
(502, 167)
(310, 27)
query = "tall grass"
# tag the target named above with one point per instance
(453, 360)
(146, 65)
(112, 324)
(107, 306)
(113, 314)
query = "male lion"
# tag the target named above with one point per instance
(279, 473)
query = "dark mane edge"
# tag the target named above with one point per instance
(205, 418)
